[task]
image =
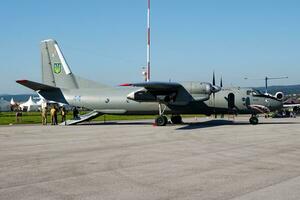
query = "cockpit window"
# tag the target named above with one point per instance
(256, 92)
(253, 92)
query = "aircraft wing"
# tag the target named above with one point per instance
(156, 86)
(164, 92)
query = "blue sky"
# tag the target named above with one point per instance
(105, 40)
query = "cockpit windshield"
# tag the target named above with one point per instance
(254, 92)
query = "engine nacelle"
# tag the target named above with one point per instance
(201, 88)
(141, 95)
(279, 96)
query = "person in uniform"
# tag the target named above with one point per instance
(44, 113)
(75, 113)
(63, 114)
(53, 113)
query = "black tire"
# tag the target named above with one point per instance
(166, 119)
(176, 119)
(161, 120)
(253, 120)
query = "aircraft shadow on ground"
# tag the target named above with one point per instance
(188, 126)
(215, 123)
(208, 124)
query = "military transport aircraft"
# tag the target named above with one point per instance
(61, 85)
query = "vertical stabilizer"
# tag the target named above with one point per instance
(55, 70)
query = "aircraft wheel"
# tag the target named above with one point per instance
(176, 119)
(161, 120)
(253, 120)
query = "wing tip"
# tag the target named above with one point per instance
(125, 84)
(22, 81)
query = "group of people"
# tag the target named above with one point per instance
(53, 114)
(54, 111)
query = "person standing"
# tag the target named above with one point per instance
(53, 113)
(19, 116)
(63, 114)
(44, 113)
(75, 113)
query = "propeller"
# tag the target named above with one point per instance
(215, 89)
(214, 92)
(214, 79)
(221, 82)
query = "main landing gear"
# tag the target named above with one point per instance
(176, 119)
(253, 120)
(162, 119)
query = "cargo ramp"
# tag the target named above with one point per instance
(82, 118)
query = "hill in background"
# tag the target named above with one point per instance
(286, 89)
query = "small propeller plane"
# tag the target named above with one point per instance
(59, 84)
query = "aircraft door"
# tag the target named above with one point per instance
(247, 103)
(231, 101)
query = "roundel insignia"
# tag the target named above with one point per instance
(57, 68)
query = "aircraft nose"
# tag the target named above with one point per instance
(276, 104)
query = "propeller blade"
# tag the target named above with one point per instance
(214, 81)
(214, 99)
(221, 82)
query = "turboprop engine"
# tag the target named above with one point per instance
(202, 88)
(201, 91)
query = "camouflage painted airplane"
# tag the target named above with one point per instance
(61, 85)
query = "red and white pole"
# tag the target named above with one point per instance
(148, 42)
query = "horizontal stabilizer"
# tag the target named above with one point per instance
(35, 86)
(50, 93)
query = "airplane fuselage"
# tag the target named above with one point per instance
(115, 101)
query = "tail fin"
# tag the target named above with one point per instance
(55, 69)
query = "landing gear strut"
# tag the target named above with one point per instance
(253, 120)
(161, 120)
(176, 119)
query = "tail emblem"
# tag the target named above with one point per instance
(57, 68)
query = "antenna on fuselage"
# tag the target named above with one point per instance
(266, 79)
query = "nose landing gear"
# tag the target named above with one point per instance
(253, 120)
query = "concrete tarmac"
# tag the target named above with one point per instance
(204, 159)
